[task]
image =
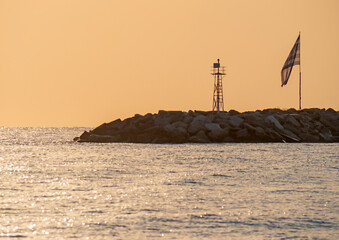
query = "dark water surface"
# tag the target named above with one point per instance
(51, 187)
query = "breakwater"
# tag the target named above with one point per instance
(269, 125)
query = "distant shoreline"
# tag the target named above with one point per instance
(269, 125)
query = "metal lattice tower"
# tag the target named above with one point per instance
(218, 98)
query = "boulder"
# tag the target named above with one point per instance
(235, 121)
(331, 121)
(115, 124)
(261, 134)
(144, 122)
(176, 116)
(84, 136)
(212, 126)
(292, 111)
(252, 116)
(162, 120)
(249, 127)
(200, 118)
(162, 113)
(197, 124)
(222, 115)
(326, 135)
(289, 135)
(292, 128)
(242, 135)
(256, 123)
(188, 119)
(220, 118)
(215, 132)
(274, 136)
(176, 134)
(274, 121)
(142, 119)
(224, 124)
(200, 137)
(308, 137)
(318, 125)
(158, 135)
(331, 110)
(291, 120)
(102, 129)
(180, 124)
(76, 139)
(233, 112)
(304, 118)
(169, 128)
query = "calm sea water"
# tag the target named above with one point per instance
(54, 188)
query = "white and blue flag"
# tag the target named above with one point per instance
(292, 59)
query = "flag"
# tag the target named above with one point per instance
(292, 59)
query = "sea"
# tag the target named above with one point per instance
(54, 188)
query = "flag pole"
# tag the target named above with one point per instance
(300, 74)
(299, 87)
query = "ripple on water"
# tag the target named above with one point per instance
(54, 188)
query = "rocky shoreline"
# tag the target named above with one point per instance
(269, 125)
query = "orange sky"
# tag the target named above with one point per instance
(84, 62)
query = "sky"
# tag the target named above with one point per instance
(66, 63)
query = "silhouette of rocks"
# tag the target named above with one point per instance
(200, 137)
(269, 125)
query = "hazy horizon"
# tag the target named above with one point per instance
(83, 62)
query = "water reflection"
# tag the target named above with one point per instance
(53, 188)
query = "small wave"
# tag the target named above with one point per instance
(13, 236)
(149, 210)
(193, 182)
(221, 175)
(95, 211)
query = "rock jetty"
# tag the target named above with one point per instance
(269, 125)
